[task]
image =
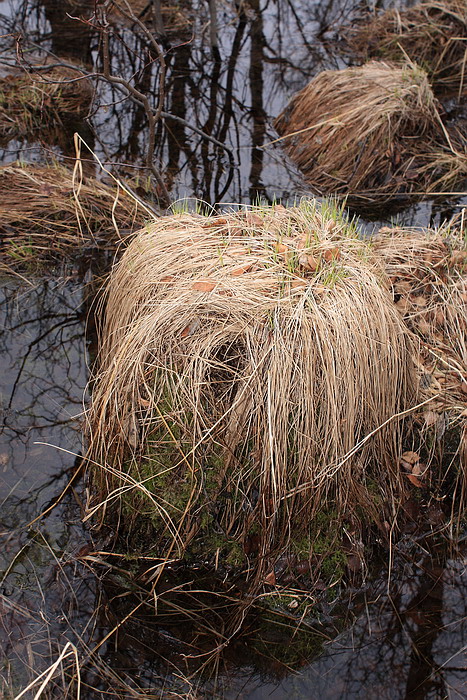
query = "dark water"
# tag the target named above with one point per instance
(400, 638)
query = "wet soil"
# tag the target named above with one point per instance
(398, 631)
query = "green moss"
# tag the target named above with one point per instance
(333, 566)
(278, 640)
(323, 544)
(235, 556)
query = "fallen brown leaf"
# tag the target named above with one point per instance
(298, 283)
(240, 270)
(309, 262)
(270, 579)
(431, 417)
(410, 457)
(218, 221)
(458, 257)
(254, 220)
(415, 481)
(190, 329)
(403, 304)
(402, 287)
(332, 254)
(203, 286)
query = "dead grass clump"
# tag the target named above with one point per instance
(433, 34)
(174, 19)
(46, 214)
(32, 104)
(372, 134)
(428, 272)
(252, 371)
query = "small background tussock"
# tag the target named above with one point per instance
(433, 34)
(48, 213)
(33, 105)
(372, 134)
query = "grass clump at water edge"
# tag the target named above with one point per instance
(372, 134)
(50, 214)
(245, 359)
(433, 34)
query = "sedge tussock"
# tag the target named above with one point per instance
(428, 273)
(174, 19)
(372, 133)
(433, 34)
(33, 105)
(48, 214)
(242, 359)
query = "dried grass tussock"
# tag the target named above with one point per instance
(252, 371)
(32, 104)
(49, 213)
(428, 273)
(175, 19)
(433, 34)
(372, 133)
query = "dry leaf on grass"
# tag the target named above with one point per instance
(331, 254)
(240, 270)
(415, 481)
(431, 418)
(203, 286)
(308, 262)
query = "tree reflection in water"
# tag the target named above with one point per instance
(227, 82)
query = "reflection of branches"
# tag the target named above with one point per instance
(217, 141)
(403, 636)
(257, 189)
(60, 325)
(152, 114)
(46, 377)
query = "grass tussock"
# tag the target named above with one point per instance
(252, 371)
(48, 213)
(428, 273)
(33, 105)
(372, 134)
(174, 19)
(433, 34)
